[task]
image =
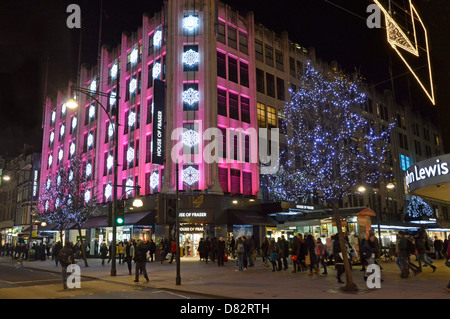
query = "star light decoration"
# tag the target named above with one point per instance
(154, 180)
(190, 57)
(190, 138)
(133, 85)
(190, 175)
(190, 23)
(156, 70)
(108, 191)
(134, 56)
(191, 96)
(131, 119)
(130, 155)
(157, 37)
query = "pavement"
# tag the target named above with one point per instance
(259, 282)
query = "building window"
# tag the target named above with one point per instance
(259, 51)
(221, 65)
(417, 147)
(269, 55)
(235, 181)
(245, 109)
(271, 117)
(299, 68)
(221, 32)
(280, 89)
(148, 148)
(260, 81)
(223, 178)
(270, 85)
(279, 60)
(244, 73)
(243, 42)
(247, 183)
(404, 162)
(232, 37)
(232, 69)
(292, 67)
(150, 76)
(261, 111)
(222, 102)
(149, 111)
(223, 151)
(234, 106)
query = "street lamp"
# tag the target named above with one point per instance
(72, 104)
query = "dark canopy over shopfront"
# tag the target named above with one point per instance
(245, 217)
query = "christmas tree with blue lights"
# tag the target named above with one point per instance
(332, 146)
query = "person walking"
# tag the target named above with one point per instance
(438, 247)
(127, 256)
(173, 250)
(55, 252)
(220, 251)
(152, 249)
(251, 249)
(103, 253)
(338, 260)
(285, 252)
(369, 251)
(320, 252)
(295, 255)
(65, 257)
(264, 251)
(302, 253)
(213, 251)
(245, 255)
(447, 261)
(207, 248)
(281, 255)
(121, 249)
(140, 258)
(240, 250)
(274, 251)
(232, 247)
(422, 249)
(312, 255)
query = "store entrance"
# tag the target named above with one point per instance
(189, 244)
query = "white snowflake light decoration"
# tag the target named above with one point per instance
(191, 96)
(190, 138)
(90, 140)
(58, 180)
(112, 98)
(91, 111)
(154, 180)
(50, 160)
(53, 117)
(60, 155)
(109, 162)
(72, 149)
(111, 130)
(129, 188)
(134, 56)
(130, 155)
(52, 136)
(62, 130)
(108, 191)
(87, 196)
(46, 205)
(88, 169)
(57, 203)
(157, 37)
(93, 85)
(133, 85)
(74, 123)
(114, 71)
(131, 119)
(156, 70)
(70, 175)
(49, 183)
(190, 57)
(63, 109)
(190, 23)
(191, 175)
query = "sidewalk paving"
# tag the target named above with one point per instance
(260, 282)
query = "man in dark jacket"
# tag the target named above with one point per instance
(422, 249)
(206, 249)
(56, 251)
(140, 258)
(152, 248)
(296, 252)
(66, 257)
(285, 253)
(251, 249)
(220, 251)
(438, 247)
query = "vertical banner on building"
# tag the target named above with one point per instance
(35, 169)
(159, 118)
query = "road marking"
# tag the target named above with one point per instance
(171, 293)
(29, 281)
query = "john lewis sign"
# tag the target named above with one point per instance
(429, 172)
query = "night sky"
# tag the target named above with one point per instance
(34, 32)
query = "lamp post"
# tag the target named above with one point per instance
(72, 104)
(177, 228)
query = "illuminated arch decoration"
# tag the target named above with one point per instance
(397, 38)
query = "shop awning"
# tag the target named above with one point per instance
(141, 218)
(94, 222)
(243, 217)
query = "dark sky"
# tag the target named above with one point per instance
(33, 32)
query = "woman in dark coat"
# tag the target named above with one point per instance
(103, 252)
(265, 250)
(310, 245)
(220, 251)
(303, 251)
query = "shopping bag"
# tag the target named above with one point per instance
(225, 258)
(307, 260)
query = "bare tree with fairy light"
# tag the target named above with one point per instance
(69, 198)
(331, 147)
